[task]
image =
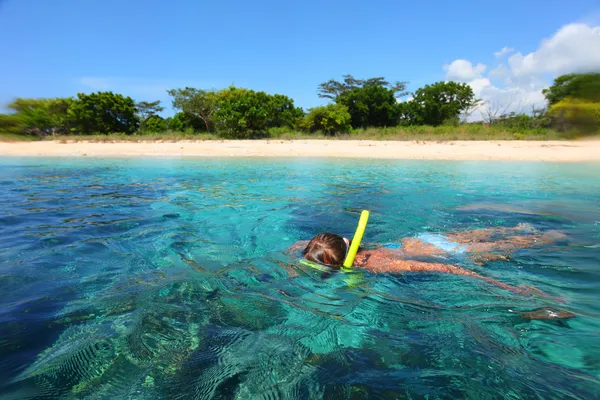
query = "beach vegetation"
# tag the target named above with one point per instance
(147, 112)
(244, 113)
(576, 86)
(102, 112)
(333, 89)
(328, 120)
(196, 104)
(39, 117)
(576, 115)
(370, 108)
(441, 102)
(153, 124)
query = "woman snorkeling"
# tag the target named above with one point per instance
(330, 250)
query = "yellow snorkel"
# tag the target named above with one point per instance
(358, 235)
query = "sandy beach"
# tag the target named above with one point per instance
(557, 151)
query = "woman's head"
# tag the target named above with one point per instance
(328, 249)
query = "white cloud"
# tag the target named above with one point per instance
(479, 85)
(463, 70)
(499, 72)
(505, 50)
(574, 48)
(517, 85)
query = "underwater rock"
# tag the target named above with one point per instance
(253, 313)
(546, 313)
(81, 355)
(237, 363)
(170, 216)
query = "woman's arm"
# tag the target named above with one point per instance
(380, 262)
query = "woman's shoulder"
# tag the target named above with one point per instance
(377, 254)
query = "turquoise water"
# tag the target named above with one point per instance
(168, 278)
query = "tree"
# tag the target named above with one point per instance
(443, 101)
(147, 109)
(242, 113)
(576, 86)
(58, 108)
(581, 115)
(332, 89)
(283, 113)
(371, 105)
(11, 123)
(493, 109)
(409, 114)
(331, 119)
(175, 123)
(41, 116)
(103, 112)
(199, 103)
(33, 115)
(184, 122)
(155, 123)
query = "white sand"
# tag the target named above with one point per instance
(561, 151)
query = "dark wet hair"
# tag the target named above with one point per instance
(327, 249)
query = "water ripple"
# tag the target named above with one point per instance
(168, 279)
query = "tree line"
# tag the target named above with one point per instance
(233, 112)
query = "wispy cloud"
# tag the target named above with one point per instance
(505, 50)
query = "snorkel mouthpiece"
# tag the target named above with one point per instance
(358, 235)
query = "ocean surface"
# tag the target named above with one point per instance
(169, 279)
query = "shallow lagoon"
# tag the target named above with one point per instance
(167, 278)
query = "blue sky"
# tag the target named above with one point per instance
(141, 48)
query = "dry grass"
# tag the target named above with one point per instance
(119, 138)
(414, 133)
(12, 137)
(430, 133)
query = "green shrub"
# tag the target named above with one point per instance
(370, 106)
(573, 114)
(11, 124)
(154, 124)
(331, 119)
(244, 113)
(102, 112)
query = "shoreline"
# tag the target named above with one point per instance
(497, 150)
